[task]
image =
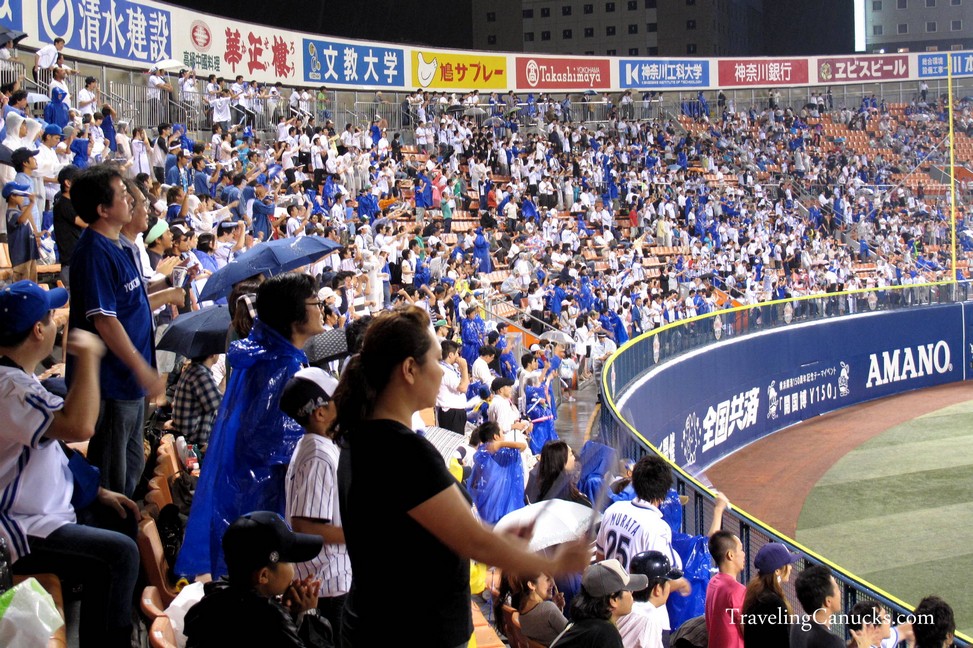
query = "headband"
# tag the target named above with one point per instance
(156, 231)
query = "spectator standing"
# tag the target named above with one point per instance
(766, 612)
(253, 440)
(935, 625)
(725, 594)
(158, 103)
(21, 238)
(312, 489)
(88, 96)
(67, 224)
(820, 597)
(397, 373)
(643, 628)
(451, 401)
(196, 401)
(46, 57)
(110, 299)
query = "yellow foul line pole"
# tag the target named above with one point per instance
(952, 164)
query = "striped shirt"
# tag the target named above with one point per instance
(312, 493)
(35, 481)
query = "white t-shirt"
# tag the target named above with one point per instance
(35, 482)
(85, 95)
(311, 488)
(47, 56)
(155, 84)
(221, 109)
(449, 396)
(642, 628)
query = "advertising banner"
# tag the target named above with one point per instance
(779, 378)
(133, 32)
(934, 65)
(328, 62)
(229, 48)
(438, 70)
(762, 72)
(863, 68)
(12, 14)
(663, 73)
(539, 73)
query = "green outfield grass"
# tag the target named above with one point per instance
(898, 511)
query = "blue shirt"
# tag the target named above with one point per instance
(201, 183)
(20, 239)
(261, 218)
(107, 282)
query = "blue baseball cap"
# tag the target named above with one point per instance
(772, 556)
(24, 303)
(15, 189)
(53, 129)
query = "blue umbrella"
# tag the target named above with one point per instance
(270, 258)
(199, 333)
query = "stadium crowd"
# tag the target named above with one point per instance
(583, 233)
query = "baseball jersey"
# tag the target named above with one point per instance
(35, 482)
(631, 527)
(312, 492)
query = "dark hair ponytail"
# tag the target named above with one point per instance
(390, 339)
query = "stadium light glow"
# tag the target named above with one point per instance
(860, 25)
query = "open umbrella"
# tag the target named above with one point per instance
(199, 333)
(494, 122)
(558, 337)
(327, 346)
(270, 258)
(457, 108)
(11, 35)
(446, 441)
(170, 64)
(555, 521)
(37, 97)
(473, 111)
(513, 111)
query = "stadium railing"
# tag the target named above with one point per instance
(671, 341)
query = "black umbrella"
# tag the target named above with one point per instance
(11, 35)
(199, 333)
(327, 346)
(455, 109)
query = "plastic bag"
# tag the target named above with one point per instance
(671, 509)
(28, 616)
(696, 565)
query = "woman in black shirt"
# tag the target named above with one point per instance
(394, 490)
(767, 614)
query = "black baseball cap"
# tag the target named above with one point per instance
(262, 538)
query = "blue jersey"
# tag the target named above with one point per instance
(107, 282)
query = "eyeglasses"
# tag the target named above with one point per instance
(319, 304)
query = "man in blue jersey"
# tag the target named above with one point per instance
(109, 299)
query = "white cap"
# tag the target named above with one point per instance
(326, 293)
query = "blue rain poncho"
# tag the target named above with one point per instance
(497, 482)
(249, 449)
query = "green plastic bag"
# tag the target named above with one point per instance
(28, 616)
